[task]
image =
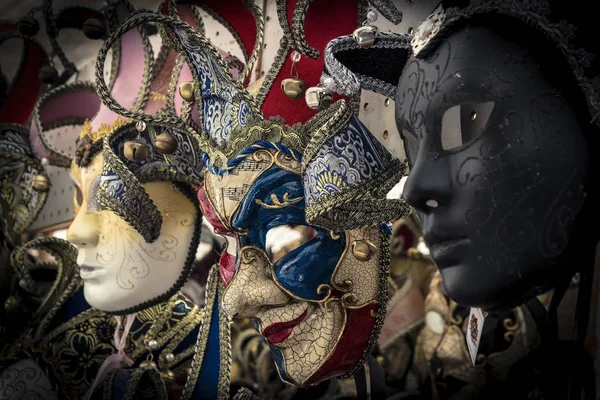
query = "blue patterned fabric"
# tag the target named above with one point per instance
(225, 110)
(350, 158)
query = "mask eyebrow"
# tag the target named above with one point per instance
(93, 204)
(276, 203)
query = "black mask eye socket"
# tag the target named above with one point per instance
(463, 123)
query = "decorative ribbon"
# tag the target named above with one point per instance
(116, 360)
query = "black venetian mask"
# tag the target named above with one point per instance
(498, 161)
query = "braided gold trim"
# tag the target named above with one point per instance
(364, 198)
(275, 68)
(225, 348)
(66, 282)
(147, 225)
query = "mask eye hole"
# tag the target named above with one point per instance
(463, 123)
(282, 239)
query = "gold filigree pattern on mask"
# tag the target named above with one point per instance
(225, 193)
(349, 269)
(286, 201)
(120, 244)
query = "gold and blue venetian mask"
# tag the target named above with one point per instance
(322, 303)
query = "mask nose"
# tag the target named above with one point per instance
(428, 186)
(84, 230)
(252, 288)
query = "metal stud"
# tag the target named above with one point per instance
(362, 250)
(140, 126)
(165, 143)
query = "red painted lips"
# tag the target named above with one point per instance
(279, 332)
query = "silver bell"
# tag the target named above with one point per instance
(365, 35)
(318, 98)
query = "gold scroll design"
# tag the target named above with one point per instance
(341, 294)
(347, 299)
(286, 201)
(133, 265)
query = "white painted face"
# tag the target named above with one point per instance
(120, 270)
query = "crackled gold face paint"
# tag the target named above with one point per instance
(119, 268)
(316, 300)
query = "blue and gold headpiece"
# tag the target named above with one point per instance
(346, 171)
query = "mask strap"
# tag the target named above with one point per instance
(118, 359)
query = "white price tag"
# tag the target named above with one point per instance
(474, 328)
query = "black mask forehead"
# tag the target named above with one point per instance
(512, 182)
(474, 65)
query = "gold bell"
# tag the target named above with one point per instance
(12, 303)
(147, 364)
(318, 98)
(28, 26)
(363, 250)
(136, 151)
(186, 91)
(40, 183)
(293, 88)
(365, 35)
(94, 28)
(165, 143)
